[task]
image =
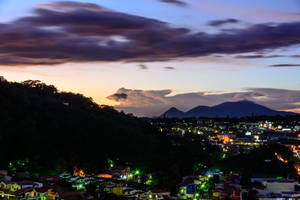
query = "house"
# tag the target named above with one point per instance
(188, 187)
(12, 186)
(45, 192)
(230, 187)
(3, 186)
(275, 186)
(115, 190)
(29, 184)
(6, 194)
(23, 193)
(159, 194)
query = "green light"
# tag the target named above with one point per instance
(111, 163)
(80, 187)
(148, 182)
(137, 172)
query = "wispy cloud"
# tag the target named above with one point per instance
(169, 68)
(143, 66)
(223, 22)
(175, 2)
(258, 56)
(119, 97)
(295, 56)
(285, 65)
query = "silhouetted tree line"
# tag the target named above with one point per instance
(57, 130)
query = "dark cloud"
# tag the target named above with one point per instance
(83, 32)
(143, 66)
(222, 22)
(285, 65)
(258, 56)
(154, 102)
(169, 68)
(175, 2)
(295, 56)
(118, 97)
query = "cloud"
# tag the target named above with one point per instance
(67, 32)
(169, 68)
(118, 97)
(175, 2)
(71, 6)
(143, 66)
(258, 56)
(155, 102)
(223, 22)
(285, 65)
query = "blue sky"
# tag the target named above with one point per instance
(222, 72)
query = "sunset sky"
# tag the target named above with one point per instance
(145, 56)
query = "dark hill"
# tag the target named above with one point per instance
(59, 130)
(230, 109)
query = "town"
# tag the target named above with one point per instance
(231, 136)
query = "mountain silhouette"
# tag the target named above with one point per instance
(226, 109)
(173, 113)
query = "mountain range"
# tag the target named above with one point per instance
(226, 109)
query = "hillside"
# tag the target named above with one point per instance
(60, 130)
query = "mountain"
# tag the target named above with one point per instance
(227, 109)
(204, 110)
(172, 113)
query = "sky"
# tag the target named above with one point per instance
(145, 56)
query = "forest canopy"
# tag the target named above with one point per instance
(56, 130)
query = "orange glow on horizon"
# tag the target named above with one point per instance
(62, 83)
(295, 110)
